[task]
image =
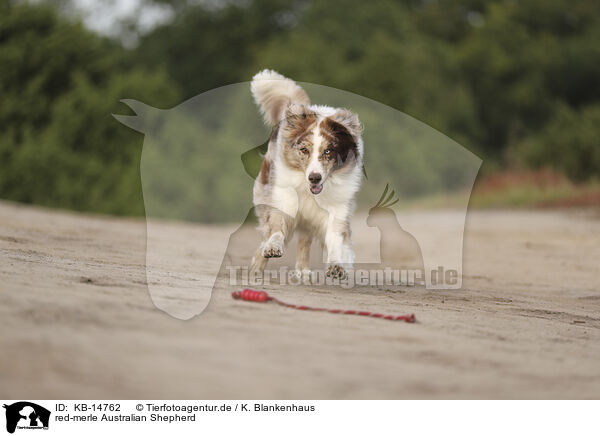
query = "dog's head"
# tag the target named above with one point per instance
(320, 143)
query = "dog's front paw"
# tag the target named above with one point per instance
(273, 247)
(272, 252)
(336, 272)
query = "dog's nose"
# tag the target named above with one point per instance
(314, 178)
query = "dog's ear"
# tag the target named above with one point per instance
(342, 130)
(349, 120)
(296, 111)
(298, 118)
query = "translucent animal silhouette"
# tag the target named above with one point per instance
(398, 248)
(213, 129)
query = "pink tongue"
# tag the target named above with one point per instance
(316, 189)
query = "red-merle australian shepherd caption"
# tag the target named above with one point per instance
(309, 176)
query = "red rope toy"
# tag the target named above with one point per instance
(263, 297)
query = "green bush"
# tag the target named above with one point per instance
(59, 145)
(569, 142)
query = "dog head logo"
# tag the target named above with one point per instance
(26, 415)
(191, 171)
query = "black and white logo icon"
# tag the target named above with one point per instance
(26, 415)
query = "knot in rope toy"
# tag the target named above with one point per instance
(263, 297)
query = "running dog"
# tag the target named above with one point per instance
(309, 176)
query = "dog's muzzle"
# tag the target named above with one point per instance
(315, 180)
(316, 189)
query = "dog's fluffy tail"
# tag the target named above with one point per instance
(273, 93)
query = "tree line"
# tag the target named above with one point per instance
(516, 82)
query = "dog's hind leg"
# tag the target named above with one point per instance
(259, 262)
(303, 259)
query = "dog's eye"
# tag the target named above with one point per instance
(327, 152)
(304, 150)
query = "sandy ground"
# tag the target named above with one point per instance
(76, 320)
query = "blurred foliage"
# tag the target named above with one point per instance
(205, 47)
(59, 83)
(517, 82)
(569, 143)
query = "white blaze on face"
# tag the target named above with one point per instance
(315, 166)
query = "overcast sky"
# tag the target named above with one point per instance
(104, 15)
